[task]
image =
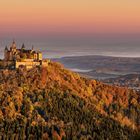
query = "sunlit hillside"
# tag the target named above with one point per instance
(55, 103)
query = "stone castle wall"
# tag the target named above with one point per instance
(31, 64)
(28, 64)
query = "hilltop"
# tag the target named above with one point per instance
(54, 103)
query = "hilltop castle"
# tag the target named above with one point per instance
(19, 54)
(13, 57)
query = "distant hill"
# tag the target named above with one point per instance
(55, 103)
(102, 67)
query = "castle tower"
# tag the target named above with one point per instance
(13, 51)
(23, 47)
(32, 48)
(6, 53)
(13, 46)
(39, 55)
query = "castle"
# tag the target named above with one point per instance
(14, 58)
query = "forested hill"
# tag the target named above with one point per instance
(55, 103)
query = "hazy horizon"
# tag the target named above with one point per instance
(60, 46)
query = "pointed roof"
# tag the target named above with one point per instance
(14, 41)
(13, 46)
(23, 46)
(6, 48)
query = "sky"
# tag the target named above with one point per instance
(34, 18)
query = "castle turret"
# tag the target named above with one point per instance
(39, 55)
(6, 53)
(13, 46)
(32, 47)
(6, 48)
(13, 51)
(23, 47)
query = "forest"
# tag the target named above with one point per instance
(53, 103)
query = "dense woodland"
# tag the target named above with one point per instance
(53, 103)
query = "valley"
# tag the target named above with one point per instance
(121, 71)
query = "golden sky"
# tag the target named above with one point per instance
(69, 16)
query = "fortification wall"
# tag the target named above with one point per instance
(27, 64)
